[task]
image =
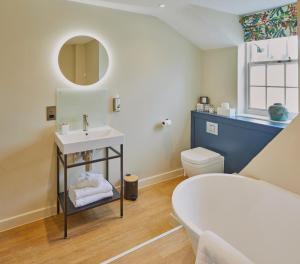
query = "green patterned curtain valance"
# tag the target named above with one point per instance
(274, 23)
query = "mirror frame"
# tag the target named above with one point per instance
(60, 73)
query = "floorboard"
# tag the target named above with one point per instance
(174, 248)
(94, 235)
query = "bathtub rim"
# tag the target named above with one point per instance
(197, 229)
(188, 222)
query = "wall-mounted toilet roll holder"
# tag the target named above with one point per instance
(166, 122)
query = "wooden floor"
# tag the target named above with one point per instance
(174, 248)
(95, 235)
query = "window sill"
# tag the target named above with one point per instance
(265, 118)
(248, 119)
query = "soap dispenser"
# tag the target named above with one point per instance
(117, 103)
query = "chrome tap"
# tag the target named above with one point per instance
(85, 122)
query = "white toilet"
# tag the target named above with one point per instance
(200, 161)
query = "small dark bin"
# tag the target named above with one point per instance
(131, 187)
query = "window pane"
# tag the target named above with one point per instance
(278, 49)
(258, 97)
(292, 99)
(293, 47)
(275, 95)
(258, 75)
(259, 50)
(276, 75)
(292, 75)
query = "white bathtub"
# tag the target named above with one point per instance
(260, 220)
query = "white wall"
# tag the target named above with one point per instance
(155, 70)
(220, 75)
(279, 162)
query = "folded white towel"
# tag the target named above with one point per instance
(90, 199)
(214, 250)
(88, 179)
(103, 187)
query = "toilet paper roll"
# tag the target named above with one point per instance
(166, 122)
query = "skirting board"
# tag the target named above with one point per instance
(160, 178)
(42, 213)
(26, 218)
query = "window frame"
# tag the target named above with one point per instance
(264, 112)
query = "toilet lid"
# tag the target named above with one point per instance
(199, 156)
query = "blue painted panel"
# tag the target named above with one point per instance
(239, 141)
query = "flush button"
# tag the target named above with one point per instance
(51, 113)
(212, 128)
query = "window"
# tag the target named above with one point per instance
(272, 75)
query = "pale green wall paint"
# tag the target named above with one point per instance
(220, 75)
(155, 70)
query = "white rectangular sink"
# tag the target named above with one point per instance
(94, 138)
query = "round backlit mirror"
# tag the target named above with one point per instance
(83, 60)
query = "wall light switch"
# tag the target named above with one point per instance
(51, 113)
(212, 128)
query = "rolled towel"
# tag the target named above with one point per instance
(103, 187)
(90, 199)
(88, 179)
(213, 249)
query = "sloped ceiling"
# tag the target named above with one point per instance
(209, 24)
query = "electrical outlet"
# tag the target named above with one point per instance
(51, 113)
(212, 128)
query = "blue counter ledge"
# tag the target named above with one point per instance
(249, 120)
(239, 138)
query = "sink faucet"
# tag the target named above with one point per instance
(85, 122)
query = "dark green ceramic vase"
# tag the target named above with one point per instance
(278, 112)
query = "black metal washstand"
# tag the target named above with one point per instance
(63, 199)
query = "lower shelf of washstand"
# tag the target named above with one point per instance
(71, 209)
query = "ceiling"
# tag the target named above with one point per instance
(209, 24)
